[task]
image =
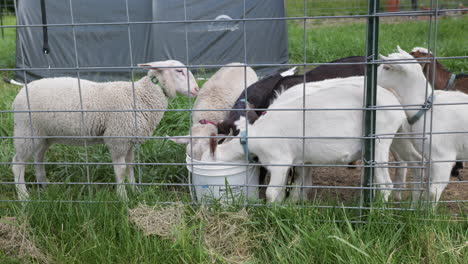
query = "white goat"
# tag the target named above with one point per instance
(63, 94)
(334, 93)
(409, 83)
(219, 92)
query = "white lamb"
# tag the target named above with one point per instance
(408, 81)
(219, 92)
(334, 93)
(101, 124)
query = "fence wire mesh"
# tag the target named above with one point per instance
(162, 168)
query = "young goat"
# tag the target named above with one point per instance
(261, 94)
(340, 132)
(409, 82)
(444, 80)
(104, 124)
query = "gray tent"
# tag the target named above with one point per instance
(107, 43)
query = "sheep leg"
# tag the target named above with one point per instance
(24, 148)
(18, 172)
(119, 170)
(278, 178)
(39, 153)
(130, 172)
(303, 178)
(118, 158)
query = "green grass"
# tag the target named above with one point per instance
(325, 43)
(295, 8)
(101, 232)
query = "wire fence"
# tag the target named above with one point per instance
(162, 168)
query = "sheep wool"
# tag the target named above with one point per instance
(81, 112)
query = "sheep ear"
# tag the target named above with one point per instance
(156, 65)
(181, 139)
(145, 65)
(213, 144)
(382, 57)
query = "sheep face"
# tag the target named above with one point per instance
(197, 146)
(174, 79)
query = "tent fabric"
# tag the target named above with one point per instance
(114, 45)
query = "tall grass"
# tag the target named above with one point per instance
(348, 38)
(100, 232)
(295, 8)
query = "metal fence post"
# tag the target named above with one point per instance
(1, 18)
(370, 97)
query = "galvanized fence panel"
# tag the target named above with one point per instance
(300, 12)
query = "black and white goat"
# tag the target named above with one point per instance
(262, 93)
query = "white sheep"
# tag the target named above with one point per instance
(407, 80)
(334, 93)
(102, 124)
(219, 92)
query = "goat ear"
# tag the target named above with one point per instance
(382, 57)
(180, 140)
(399, 49)
(402, 51)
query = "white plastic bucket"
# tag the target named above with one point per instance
(210, 181)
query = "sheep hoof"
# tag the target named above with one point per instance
(122, 193)
(397, 196)
(44, 183)
(23, 195)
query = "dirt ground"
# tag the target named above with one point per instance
(326, 176)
